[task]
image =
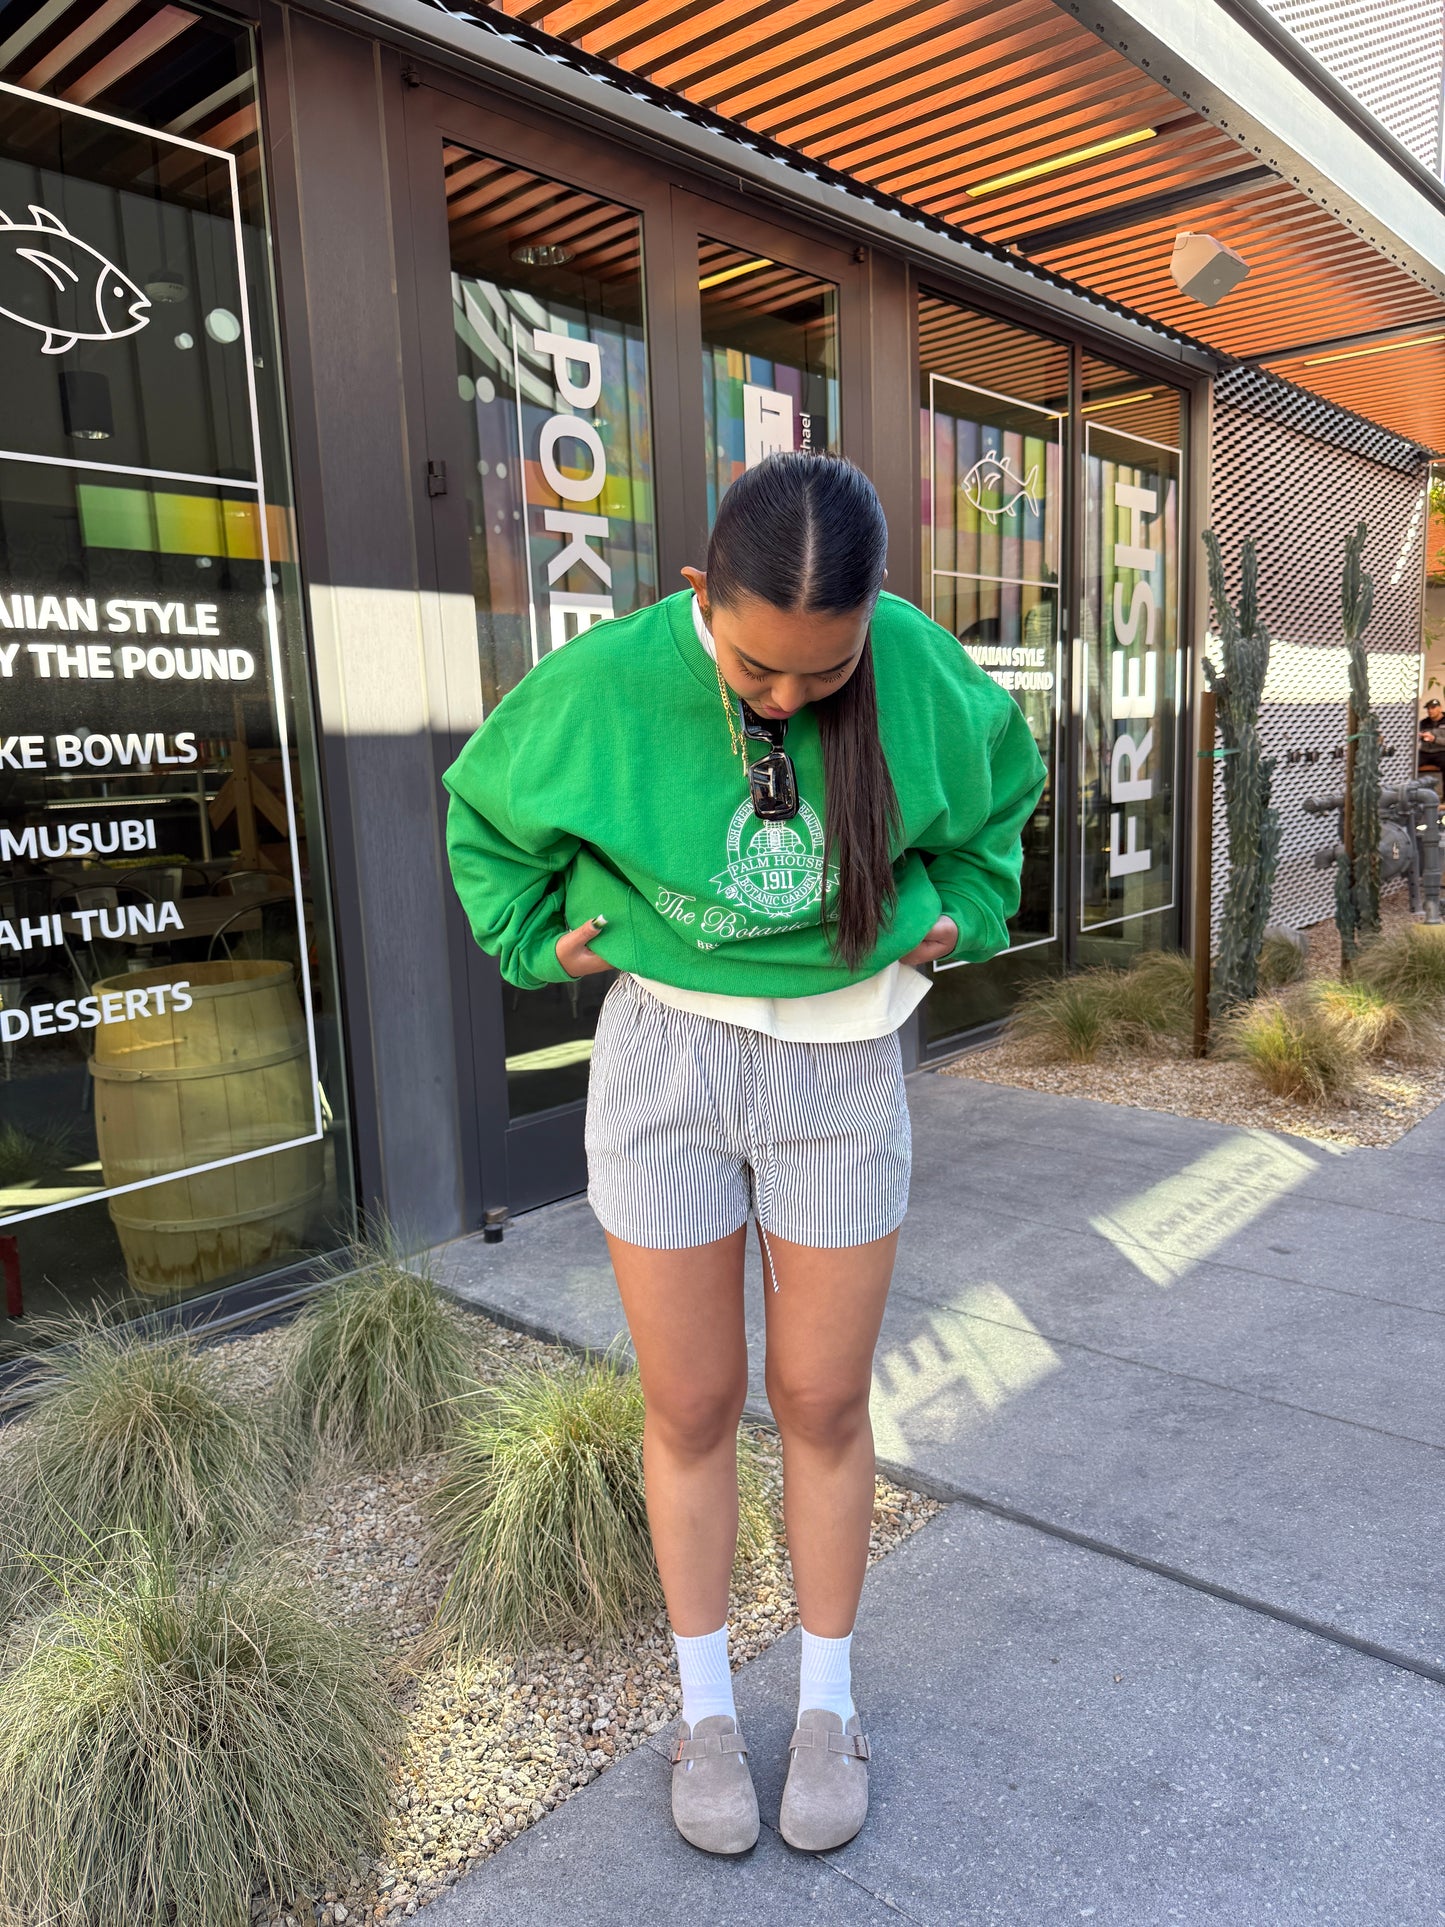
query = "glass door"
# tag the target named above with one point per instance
(1049, 479)
(994, 413)
(1129, 667)
(544, 519)
(769, 362)
(551, 393)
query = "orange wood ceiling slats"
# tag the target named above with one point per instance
(1366, 384)
(94, 23)
(957, 70)
(923, 99)
(159, 31)
(757, 84)
(488, 197)
(704, 31)
(1008, 143)
(1180, 157)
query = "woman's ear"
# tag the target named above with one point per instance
(696, 580)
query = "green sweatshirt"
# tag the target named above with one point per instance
(605, 784)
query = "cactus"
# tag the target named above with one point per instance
(1357, 879)
(1253, 825)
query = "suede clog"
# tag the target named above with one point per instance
(714, 1806)
(825, 1800)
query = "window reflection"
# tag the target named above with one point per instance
(1131, 669)
(172, 1095)
(552, 382)
(769, 362)
(552, 385)
(995, 401)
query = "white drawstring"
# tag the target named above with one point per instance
(768, 1251)
(757, 1152)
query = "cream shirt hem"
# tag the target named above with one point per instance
(873, 1008)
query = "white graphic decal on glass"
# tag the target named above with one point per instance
(995, 475)
(767, 423)
(44, 266)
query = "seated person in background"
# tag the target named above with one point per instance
(1432, 738)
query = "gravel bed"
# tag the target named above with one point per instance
(1387, 1102)
(492, 1746)
(1389, 1099)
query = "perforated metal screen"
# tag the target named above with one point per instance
(1298, 477)
(1388, 55)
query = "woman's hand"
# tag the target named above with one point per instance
(939, 941)
(574, 954)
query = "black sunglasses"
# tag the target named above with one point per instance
(772, 781)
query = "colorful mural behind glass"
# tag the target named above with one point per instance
(769, 362)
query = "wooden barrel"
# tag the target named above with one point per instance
(192, 1087)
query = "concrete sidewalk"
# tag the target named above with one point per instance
(1185, 1382)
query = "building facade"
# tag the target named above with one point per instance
(352, 359)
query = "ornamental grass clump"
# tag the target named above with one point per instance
(1295, 1046)
(376, 1361)
(129, 1433)
(1069, 1019)
(1281, 962)
(1155, 999)
(1408, 967)
(1374, 1023)
(170, 1741)
(24, 1154)
(540, 1510)
(1075, 1019)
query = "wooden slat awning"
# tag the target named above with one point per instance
(164, 66)
(1011, 121)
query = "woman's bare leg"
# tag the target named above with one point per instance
(823, 1325)
(685, 1313)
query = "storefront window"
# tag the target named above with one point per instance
(994, 409)
(769, 362)
(172, 1097)
(1130, 665)
(552, 384)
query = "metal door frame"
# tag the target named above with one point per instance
(538, 1158)
(695, 215)
(1194, 392)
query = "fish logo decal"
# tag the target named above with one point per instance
(995, 475)
(63, 287)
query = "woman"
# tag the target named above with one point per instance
(768, 911)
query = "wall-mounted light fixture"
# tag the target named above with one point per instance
(542, 254)
(1205, 269)
(85, 406)
(165, 286)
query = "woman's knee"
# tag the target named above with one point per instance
(694, 1421)
(817, 1412)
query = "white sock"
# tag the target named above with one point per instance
(825, 1681)
(707, 1682)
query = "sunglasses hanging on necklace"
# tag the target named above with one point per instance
(772, 780)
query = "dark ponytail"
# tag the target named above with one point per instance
(806, 533)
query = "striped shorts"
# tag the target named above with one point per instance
(692, 1123)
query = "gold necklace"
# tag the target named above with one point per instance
(735, 735)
